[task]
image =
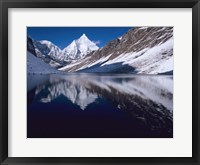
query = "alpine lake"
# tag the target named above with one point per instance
(99, 106)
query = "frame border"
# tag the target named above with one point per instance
(6, 4)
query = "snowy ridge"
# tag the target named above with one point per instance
(76, 50)
(46, 48)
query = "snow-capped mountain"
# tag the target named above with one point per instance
(43, 50)
(78, 49)
(36, 64)
(47, 48)
(142, 50)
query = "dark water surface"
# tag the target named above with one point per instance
(99, 106)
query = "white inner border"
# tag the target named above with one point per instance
(179, 146)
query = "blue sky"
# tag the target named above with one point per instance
(63, 36)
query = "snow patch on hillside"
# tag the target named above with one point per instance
(37, 66)
(155, 60)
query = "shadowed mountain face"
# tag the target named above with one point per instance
(101, 106)
(46, 48)
(30, 46)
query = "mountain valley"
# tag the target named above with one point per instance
(142, 50)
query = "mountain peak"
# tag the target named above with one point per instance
(45, 42)
(79, 48)
(83, 36)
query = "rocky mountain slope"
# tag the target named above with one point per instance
(142, 50)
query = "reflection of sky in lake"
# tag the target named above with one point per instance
(85, 105)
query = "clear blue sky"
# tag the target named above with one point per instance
(63, 36)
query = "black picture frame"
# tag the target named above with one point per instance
(6, 4)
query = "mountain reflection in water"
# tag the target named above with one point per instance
(99, 106)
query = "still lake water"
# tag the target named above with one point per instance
(99, 106)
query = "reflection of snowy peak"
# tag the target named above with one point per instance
(77, 94)
(78, 48)
(82, 91)
(148, 99)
